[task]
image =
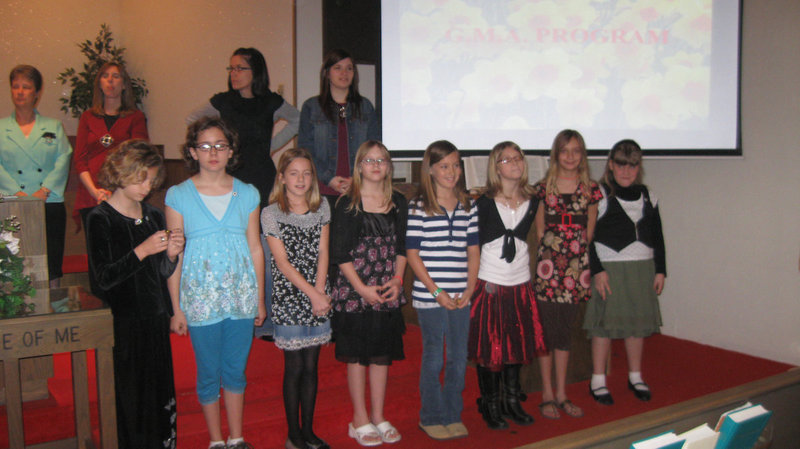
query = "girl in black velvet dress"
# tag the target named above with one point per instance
(131, 256)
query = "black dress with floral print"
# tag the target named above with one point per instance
(372, 242)
(300, 235)
(562, 271)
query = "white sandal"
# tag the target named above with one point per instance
(366, 435)
(388, 432)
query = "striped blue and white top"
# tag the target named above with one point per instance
(442, 241)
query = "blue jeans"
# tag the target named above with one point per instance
(220, 352)
(266, 328)
(442, 404)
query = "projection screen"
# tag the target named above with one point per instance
(662, 72)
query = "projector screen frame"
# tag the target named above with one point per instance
(416, 154)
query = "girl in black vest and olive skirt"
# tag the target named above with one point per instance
(629, 266)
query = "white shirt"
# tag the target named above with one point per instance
(496, 270)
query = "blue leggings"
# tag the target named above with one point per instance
(220, 352)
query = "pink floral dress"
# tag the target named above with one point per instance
(562, 273)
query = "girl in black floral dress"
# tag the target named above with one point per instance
(564, 223)
(296, 226)
(370, 227)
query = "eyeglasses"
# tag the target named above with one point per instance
(374, 161)
(624, 163)
(206, 148)
(237, 69)
(510, 160)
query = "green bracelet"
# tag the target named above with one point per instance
(436, 292)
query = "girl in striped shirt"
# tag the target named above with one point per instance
(442, 249)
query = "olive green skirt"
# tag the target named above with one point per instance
(631, 310)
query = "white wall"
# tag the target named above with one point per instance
(180, 48)
(45, 34)
(310, 55)
(309, 48)
(731, 225)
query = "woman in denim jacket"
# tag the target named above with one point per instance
(335, 123)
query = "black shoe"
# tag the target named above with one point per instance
(603, 398)
(510, 406)
(641, 394)
(316, 443)
(489, 402)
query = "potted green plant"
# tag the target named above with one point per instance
(15, 285)
(97, 53)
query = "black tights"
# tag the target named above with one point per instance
(300, 393)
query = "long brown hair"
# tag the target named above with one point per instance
(354, 193)
(278, 194)
(128, 104)
(561, 140)
(433, 154)
(326, 101)
(493, 183)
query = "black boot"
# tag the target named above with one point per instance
(512, 389)
(489, 402)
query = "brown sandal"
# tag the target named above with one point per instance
(570, 409)
(552, 410)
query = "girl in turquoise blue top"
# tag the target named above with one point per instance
(218, 287)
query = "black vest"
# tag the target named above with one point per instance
(616, 230)
(490, 225)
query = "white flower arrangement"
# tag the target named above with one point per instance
(15, 285)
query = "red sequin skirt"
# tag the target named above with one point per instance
(504, 325)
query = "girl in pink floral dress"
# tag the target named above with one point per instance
(564, 223)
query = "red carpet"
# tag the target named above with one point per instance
(676, 370)
(78, 263)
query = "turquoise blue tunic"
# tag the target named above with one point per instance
(218, 280)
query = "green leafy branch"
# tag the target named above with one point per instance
(97, 53)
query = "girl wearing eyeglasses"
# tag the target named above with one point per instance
(334, 124)
(628, 262)
(564, 224)
(252, 111)
(217, 289)
(505, 332)
(370, 228)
